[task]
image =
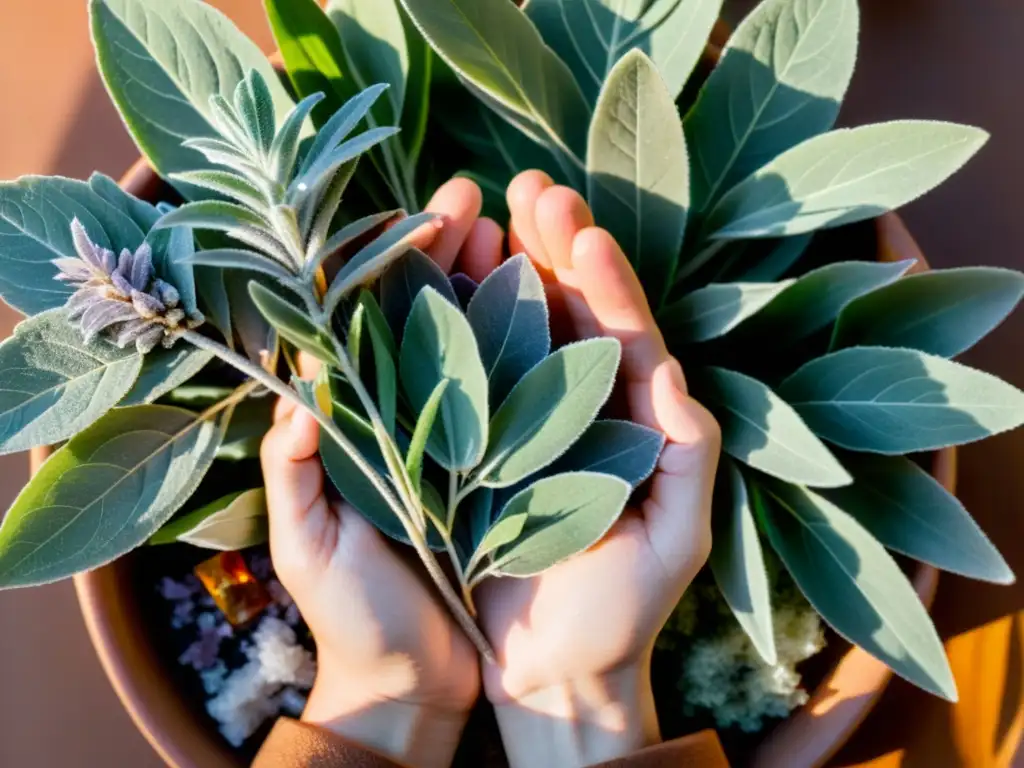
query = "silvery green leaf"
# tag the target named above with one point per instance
(258, 337)
(162, 60)
(509, 317)
(142, 213)
(438, 344)
(53, 385)
(371, 261)
(384, 355)
(375, 319)
(548, 410)
(173, 250)
(762, 431)
(424, 426)
(224, 183)
(250, 421)
(505, 530)
(230, 523)
(714, 310)
(895, 401)
(340, 125)
(319, 207)
(35, 225)
(492, 44)
(374, 41)
(638, 175)
(854, 584)
(565, 515)
(354, 336)
(213, 294)
(844, 176)
(942, 313)
(164, 370)
(105, 492)
(474, 518)
(909, 511)
(465, 288)
(255, 107)
(344, 236)
(611, 447)
(402, 283)
(217, 215)
(333, 159)
(292, 323)
(737, 561)
(284, 152)
(416, 110)
(240, 258)
(780, 256)
(811, 302)
(677, 40)
(779, 82)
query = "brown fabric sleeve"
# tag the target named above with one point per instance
(292, 744)
(698, 750)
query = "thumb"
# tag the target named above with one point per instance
(292, 472)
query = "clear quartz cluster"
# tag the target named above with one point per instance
(121, 297)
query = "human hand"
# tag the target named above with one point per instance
(394, 671)
(571, 685)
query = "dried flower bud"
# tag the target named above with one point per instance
(166, 292)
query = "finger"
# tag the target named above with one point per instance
(481, 253)
(678, 510)
(458, 202)
(522, 195)
(292, 473)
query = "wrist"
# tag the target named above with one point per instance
(414, 734)
(580, 721)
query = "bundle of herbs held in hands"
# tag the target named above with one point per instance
(454, 430)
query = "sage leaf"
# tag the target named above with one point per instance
(761, 430)
(895, 401)
(638, 175)
(909, 511)
(416, 109)
(565, 515)
(384, 355)
(779, 82)
(161, 61)
(240, 258)
(292, 323)
(844, 176)
(737, 561)
(225, 183)
(258, 337)
(53, 384)
(620, 448)
(164, 370)
(402, 283)
(494, 46)
(105, 492)
(854, 584)
(233, 522)
(343, 237)
(142, 213)
(424, 426)
(509, 317)
(213, 295)
(173, 250)
(780, 256)
(548, 410)
(438, 344)
(505, 530)
(250, 421)
(714, 310)
(35, 223)
(942, 313)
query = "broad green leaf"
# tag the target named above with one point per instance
(474, 519)
(509, 317)
(854, 584)
(53, 384)
(565, 515)
(105, 492)
(895, 401)
(942, 313)
(762, 431)
(774, 262)
(416, 110)
(620, 448)
(715, 309)
(292, 323)
(228, 524)
(438, 344)
(142, 213)
(737, 561)
(910, 512)
(162, 60)
(638, 175)
(213, 296)
(505, 530)
(250, 421)
(494, 46)
(844, 176)
(258, 337)
(548, 410)
(164, 370)
(173, 250)
(424, 426)
(35, 226)
(402, 283)
(779, 82)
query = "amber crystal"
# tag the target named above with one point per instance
(239, 595)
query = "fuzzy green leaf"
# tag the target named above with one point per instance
(424, 426)
(762, 431)
(620, 448)
(240, 258)
(292, 323)
(895, 401)
(548, 410)
(715, 309)
(105, 492)
(250, 421)
(854, 584)
(173, 250)
(228, 524)
(416, 110)
(402, 283)
(164, 370)
(141, 212)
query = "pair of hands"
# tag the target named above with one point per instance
(573, 645)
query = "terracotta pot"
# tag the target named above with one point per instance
(183, 739)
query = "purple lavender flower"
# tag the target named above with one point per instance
(121, 297)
